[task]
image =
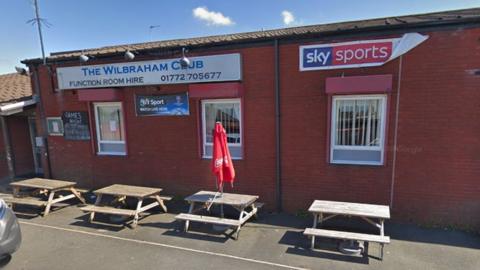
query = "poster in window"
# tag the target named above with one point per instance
(55, 126)
(76, 126)
(113, 125)
(162, 105)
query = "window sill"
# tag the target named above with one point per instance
(233, 158)
(362, 163)
(111, 154)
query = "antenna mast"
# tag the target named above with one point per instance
(39, 27)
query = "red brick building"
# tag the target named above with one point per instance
(17, 128)
(347, 122)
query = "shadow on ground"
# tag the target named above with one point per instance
(298, 244)
(101, 222)
(413, 233)
(396, 231)
(199, 231)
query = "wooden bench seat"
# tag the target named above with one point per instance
(81, 190)
(165, 198)
(108, 210)
(347, 235)
(25, 201)
(208, 219)
(259, 204)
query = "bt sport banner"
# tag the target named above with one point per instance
(365, 53)
(162, 105)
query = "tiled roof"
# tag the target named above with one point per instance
(14, 87)
(402, 22)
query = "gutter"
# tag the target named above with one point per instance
(278, 164)
(16, 107)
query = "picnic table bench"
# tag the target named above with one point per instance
(41, 186)
(240, 202)
(324, 210)
(120, 193)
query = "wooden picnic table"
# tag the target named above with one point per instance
(245, 204)
(324, 210)
(41, 186)
(120, 193)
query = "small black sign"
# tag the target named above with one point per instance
(75, 125)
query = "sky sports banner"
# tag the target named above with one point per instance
(213, 68)
(365, 53)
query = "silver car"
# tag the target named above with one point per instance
(10, 235)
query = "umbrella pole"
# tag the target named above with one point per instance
(221, 205)
(215, 226)
(216, 194)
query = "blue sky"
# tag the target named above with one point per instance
(79, 24)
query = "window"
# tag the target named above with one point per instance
(110, 128)
(358, 129)
(228, 112)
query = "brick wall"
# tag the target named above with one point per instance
(163, 151)
(307, 174)
(438, 160)
(438, 155)
(439, 142)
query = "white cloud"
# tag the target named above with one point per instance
(211, 17)
(288, 17)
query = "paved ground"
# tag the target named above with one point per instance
(64, 240)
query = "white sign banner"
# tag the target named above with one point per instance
(213, 68)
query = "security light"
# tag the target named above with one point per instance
(129, 55)
(21, 70)
(83, 58)
(184, 61)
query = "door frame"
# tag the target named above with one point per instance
(37, 162)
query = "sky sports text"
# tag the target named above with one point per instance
(360, 53)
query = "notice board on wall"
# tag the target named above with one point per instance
(55, 126)
(76, 126)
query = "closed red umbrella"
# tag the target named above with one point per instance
(222, 165)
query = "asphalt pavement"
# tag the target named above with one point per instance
(65, 240)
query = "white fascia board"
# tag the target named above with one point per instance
(16, 107)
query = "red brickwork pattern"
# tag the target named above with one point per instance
(438, 137)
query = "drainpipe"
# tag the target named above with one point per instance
(278, 164)
(8, 148)
(47, 171)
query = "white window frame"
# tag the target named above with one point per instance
(204, 126)
(96, 105)
(333, 128)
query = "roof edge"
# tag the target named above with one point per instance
(269, 34)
